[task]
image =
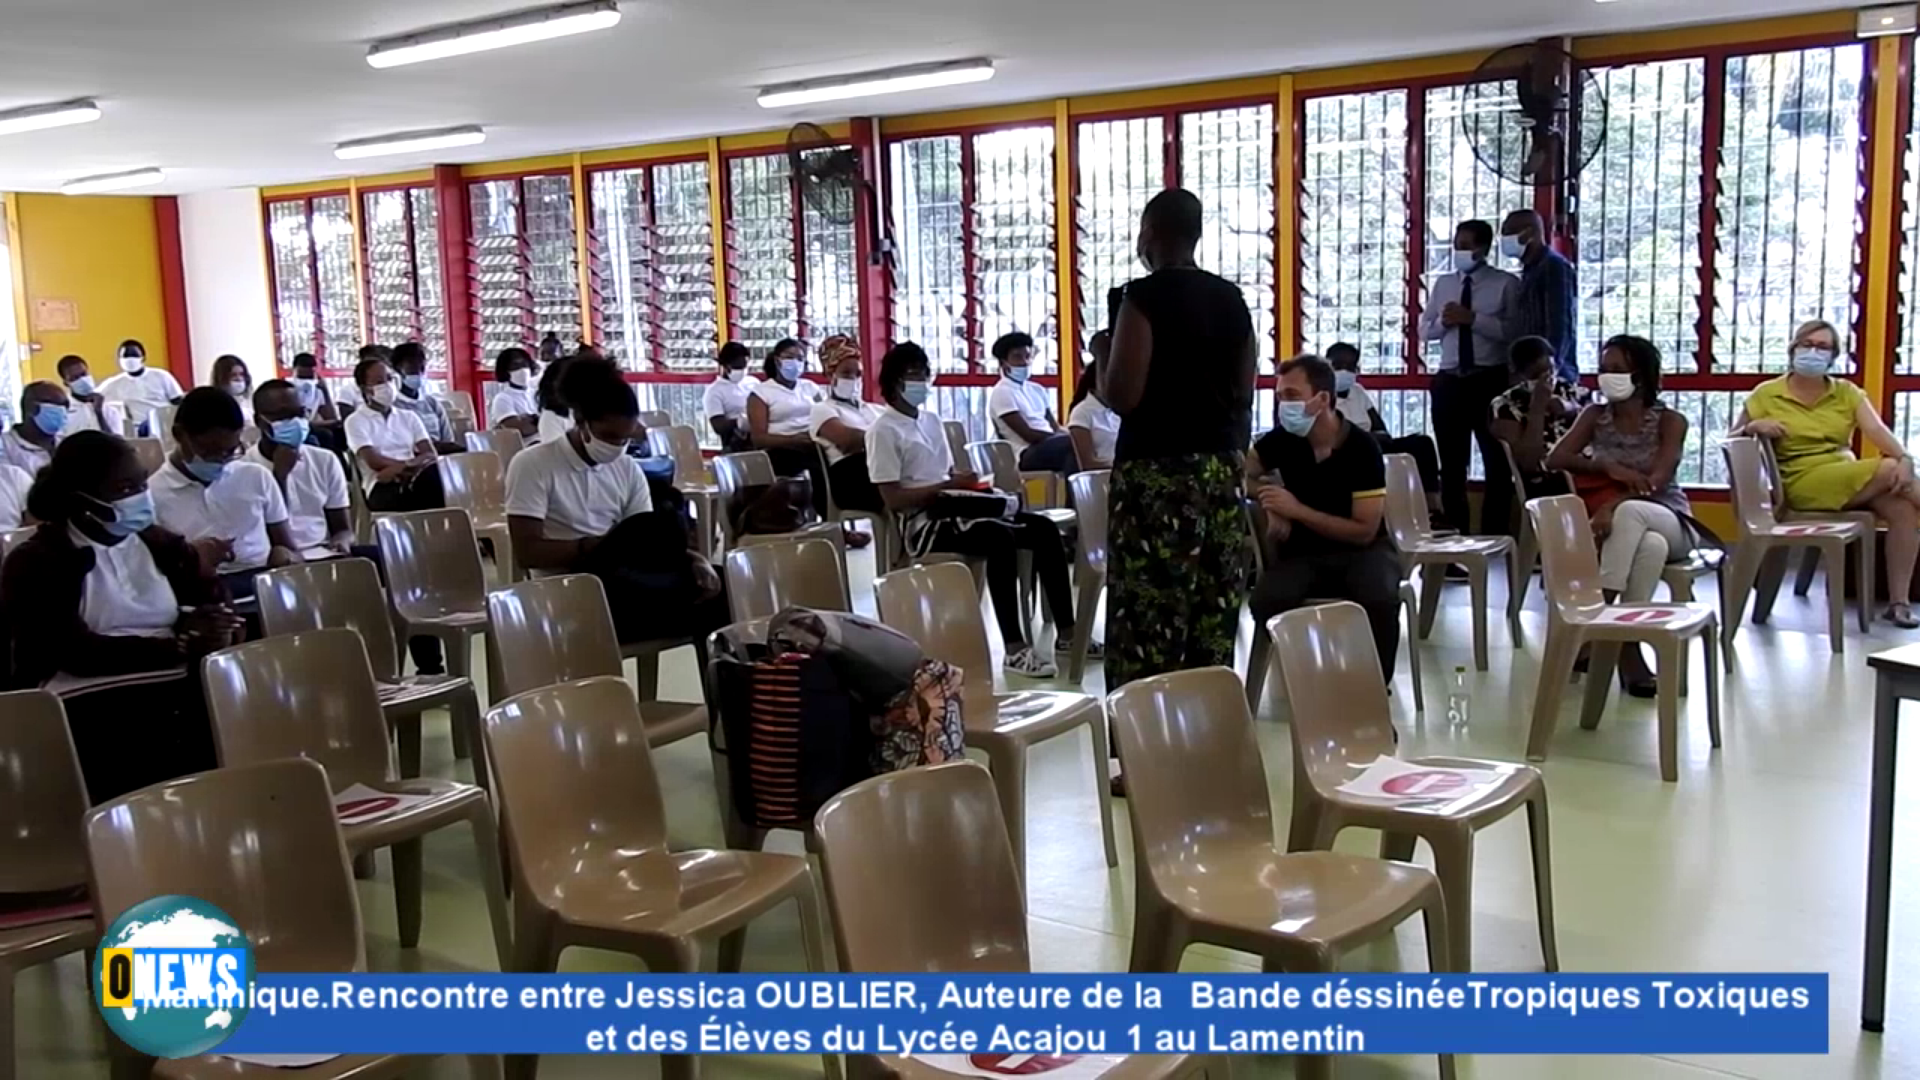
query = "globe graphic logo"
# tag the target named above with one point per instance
(199, 1020)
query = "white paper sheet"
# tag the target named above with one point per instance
(1001, 1066)
(360, 803)
(281, 1061)
(1401, 781)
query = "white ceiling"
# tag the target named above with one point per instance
(226, 93)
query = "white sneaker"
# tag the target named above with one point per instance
(1030, 664)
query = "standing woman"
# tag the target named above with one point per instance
(780, 418)
(1180, 375)
(1811, 416)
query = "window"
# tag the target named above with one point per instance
(620, 248)
(830, 291)
(553, 283)
(929, 287)
(762, 282)
(521, 261)
(1226, 159)
(316, 300)
(686, 332)
(1121, 165)
(405, 298)
(1013, 278)
(1459, 187)
(1353, 225)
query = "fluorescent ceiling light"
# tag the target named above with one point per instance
(407, 142)
(1883, 21)
(891, 81)
(480, 35)
(37, 117)
(120, 181)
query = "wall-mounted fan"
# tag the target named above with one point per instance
(1533, 114)
(826, 174)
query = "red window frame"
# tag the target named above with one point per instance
(647, 365)
(531, 330)
(335, 359)
(420, 322)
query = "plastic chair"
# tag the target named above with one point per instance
(437, 584)
(1771, 575)
(1577, 613)
(1762, 533)
(1342, 723)
(312, 695)
(765, 579)
(919, 876)
(655, 418)
(996, 461)
(152, 453)
(160, 427)
(291, 893)
(1205, 865)
(477, 483)
(1090, 561)
(956, 441)
(680, 443)
(1527, 550)
(937, 607)
(347, 593)
(505, 442)
(42, 843)
(733, 474)
(881, 520)
(458, 403)
(1407, 524)
(559, 629)
(591, 866)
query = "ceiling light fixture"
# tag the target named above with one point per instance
(407, 142)
(890, 81)
(119, 181)
(39, 117)
(1883, 21)
(540, 24)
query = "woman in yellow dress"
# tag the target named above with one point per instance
(1811, 417)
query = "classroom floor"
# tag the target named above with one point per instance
(1754, 861)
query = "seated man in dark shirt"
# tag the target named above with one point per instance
(1322, 483)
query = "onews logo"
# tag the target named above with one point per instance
(172, 976)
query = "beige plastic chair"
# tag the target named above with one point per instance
(1772, 572)
(161, 426)
(765, 579)
(956, 441)
(919, 876)
(437, 584)
(880, 520)
(291, 893)
(347, 592)
(1205, 865)
(690, 478)
(733, 474)
(560, 629)
(937, 607)
(152, 453)
(1527, 550)
(458, 403)
(477, 483)
(1762, 532)
(504, 442)
(996, 461)
(13, 538)
(1407, 524)
(312, 695)
(42, 843)
(1577, 613)
(1342, 723)
(655, 418)
(1090, 497)
(591, 866)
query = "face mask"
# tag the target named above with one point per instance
(50, 419)
(1343, 381)
(789, 369)
(132, 363)
(238, 388)
(1616, 386)
(1510, 247)
(307, 379)
(1294, 418)
(915, 393)
(82, 386)
(846, 389)
(604, 453)
(1465, 261)
(736, 374)
(382, 394)
(289, 432)
(517, 378)
(1019, 374)
(1812, 361)
(130, 515)
(412, 383)
(206, 472)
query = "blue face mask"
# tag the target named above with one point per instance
(50, 418)
(916, 393)
(789, 369)
(413, 382)
(130, 515)
(82, 386)
(1294, 419)
(1810, 362)
(1020, 373)
(289, 432)
(206, 471)
(1343, 381)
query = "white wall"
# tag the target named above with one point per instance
(223, 252)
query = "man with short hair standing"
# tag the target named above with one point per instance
(1468, 312)
(1548, 304)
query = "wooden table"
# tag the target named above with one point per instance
(1896, 678)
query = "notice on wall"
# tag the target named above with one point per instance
(54, 315)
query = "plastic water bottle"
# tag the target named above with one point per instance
(1459, 700)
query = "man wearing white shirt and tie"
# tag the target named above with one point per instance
(1467, 312)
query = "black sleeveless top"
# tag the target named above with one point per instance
(1194, 401)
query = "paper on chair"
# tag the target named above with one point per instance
(1639, 616)
(361, 803)
(1050, 1066)
(1391, 778)
(280, 1061)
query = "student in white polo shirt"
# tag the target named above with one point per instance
(910, 462)
(514, 406)
(780, 417)
(1094, 426)
(1022, 410)
(579, 503)
(140, 389)
(230, 509)
(89, 411)
(28, 445)
(392, 445)
(725, 402)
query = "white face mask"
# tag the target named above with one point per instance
(735, 375)
(132, 363)
(1616, 386)
(237, 387)
(846, 389)
(381, 395)
(1465, 261)
(603, 453)
(517, 378)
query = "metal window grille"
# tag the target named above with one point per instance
(762, 270)
(1353, 225)
(405, 300)
(621, 265)
(829, 289)
(930, 274)
(290, 248)
(502, 309)
(1012, 277)
(338, 296)
(1121, 164)
(685, 324)
(1226, 159)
